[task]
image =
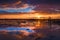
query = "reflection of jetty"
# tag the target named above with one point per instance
(29, 16)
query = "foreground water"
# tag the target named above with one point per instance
(24, 33)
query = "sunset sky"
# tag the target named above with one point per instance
(29, 5)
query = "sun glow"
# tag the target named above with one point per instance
(37, 15)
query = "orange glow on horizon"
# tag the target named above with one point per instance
(29, 16)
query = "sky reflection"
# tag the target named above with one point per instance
(16, 29)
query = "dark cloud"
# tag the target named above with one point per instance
(34, 2)
(7, 1)
(42, 1)
(31, 1)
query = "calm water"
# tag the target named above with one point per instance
(52, 32)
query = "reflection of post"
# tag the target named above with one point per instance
(49, 22)
(38, 23)
(18, 22)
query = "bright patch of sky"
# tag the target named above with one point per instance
(20, 10)
(28, 9)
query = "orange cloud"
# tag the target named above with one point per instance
(4, 5)
(16, 3)
(23, 6)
